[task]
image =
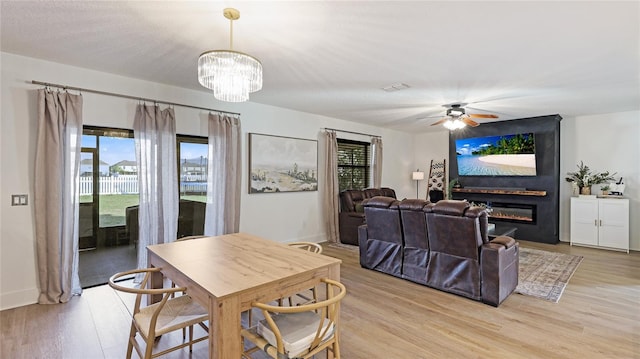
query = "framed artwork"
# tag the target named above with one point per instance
(282, 164)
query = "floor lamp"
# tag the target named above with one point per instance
(417, 176)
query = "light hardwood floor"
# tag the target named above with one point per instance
(598, 316)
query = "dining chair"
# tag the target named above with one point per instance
(186, 238)
(298, 332)
(308, 246)
(167, 315)
(173, 285)
(313, 248)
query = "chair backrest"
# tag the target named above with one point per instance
(383, 219)
(416, 239)
(384, 239)
(455, 235)
(414, 223)
(308, 246)
(351, 199)
(186, 238)
(457, 228)
(327, 310)
(166, 293)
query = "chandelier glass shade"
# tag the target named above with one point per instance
(232, 75)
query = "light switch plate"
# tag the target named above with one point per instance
(19, 199)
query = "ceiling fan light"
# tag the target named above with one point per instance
(454, 124)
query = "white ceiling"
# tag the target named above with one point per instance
(512, 58)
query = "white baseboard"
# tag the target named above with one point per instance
(19, 298)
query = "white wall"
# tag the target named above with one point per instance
(429, 146)
(281, 216)
(605, 142)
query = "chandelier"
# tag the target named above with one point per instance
(232, 75)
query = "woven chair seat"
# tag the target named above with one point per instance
(177, 313)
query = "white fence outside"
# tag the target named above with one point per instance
(128, 184)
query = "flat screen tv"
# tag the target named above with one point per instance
(505, 155)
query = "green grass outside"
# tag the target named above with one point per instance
(112, 206)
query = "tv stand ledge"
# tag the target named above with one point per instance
(517, 192)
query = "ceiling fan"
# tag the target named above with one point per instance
(456, 117)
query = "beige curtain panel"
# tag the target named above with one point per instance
(331, 187)
(224, 175)
(154, 131)
(56, 195)
(376, 162)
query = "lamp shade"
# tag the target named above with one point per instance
(417, 176)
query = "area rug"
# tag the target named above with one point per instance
(545, 274)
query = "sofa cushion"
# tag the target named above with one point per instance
(381, 202)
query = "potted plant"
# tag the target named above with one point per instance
(605, 189)
(454, 183)
(584, 178)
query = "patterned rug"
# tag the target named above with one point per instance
(545, 274)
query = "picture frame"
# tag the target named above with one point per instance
(282, 164)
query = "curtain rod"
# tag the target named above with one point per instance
(355, 133)
(65, 87)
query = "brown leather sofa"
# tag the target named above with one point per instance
(352, 212)
(449, 250)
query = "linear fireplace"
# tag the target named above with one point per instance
(511, 212)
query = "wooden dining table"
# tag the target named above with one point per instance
(227, 273)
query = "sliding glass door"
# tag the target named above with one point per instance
(108, 203)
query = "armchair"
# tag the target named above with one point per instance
(352, 211)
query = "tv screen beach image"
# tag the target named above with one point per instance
(506, 155)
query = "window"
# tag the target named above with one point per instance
(353, 164)
(192, 157)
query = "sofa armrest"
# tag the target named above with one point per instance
(358, 215)
(505, 241)
(348, 223)
(499, 270)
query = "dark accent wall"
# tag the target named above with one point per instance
(546, 130)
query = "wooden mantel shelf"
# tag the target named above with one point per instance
(500, 191)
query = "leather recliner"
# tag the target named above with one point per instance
(352, 212)
(461, 258)
(381, 239)
(416, 240)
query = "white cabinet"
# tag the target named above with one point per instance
(600, 222)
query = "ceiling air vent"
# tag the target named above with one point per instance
(396, 87)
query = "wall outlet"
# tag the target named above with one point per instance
(19, 199)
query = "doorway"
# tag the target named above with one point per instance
(108, 186)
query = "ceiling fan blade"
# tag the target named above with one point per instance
(469, 122)
(481, 115)
(440, 122)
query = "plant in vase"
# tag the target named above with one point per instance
(584, 178)
(454, 183)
